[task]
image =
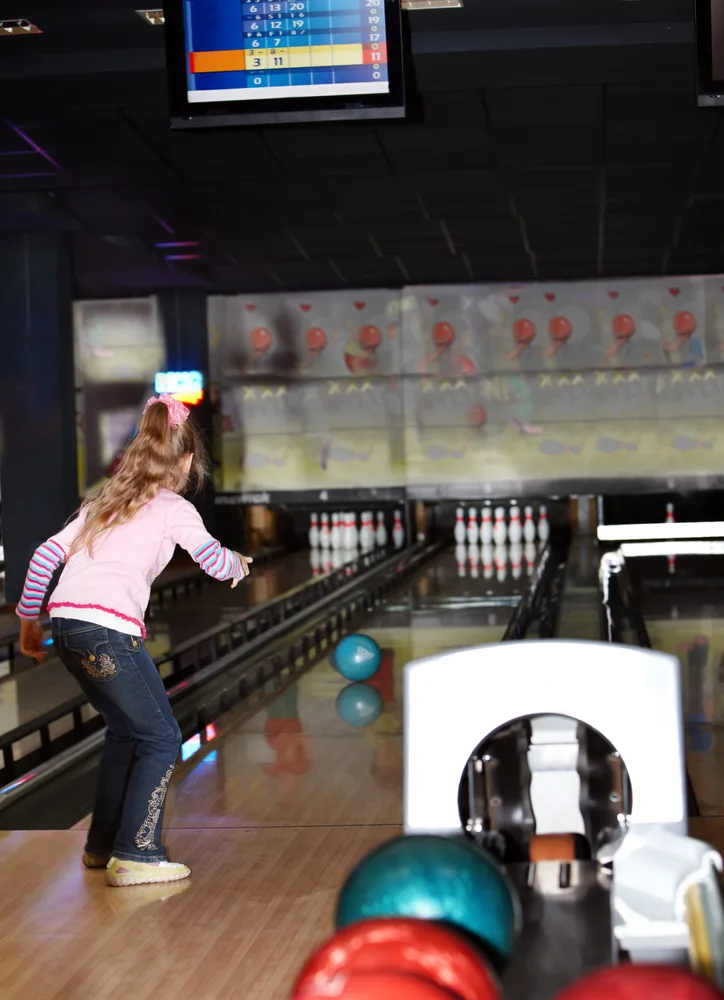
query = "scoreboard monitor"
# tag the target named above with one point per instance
(254, 62)
(710, 52)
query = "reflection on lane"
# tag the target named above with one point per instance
(303, 760)
(684, 613)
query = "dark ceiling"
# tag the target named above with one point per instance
(561, 139)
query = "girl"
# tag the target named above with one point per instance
(123, 537)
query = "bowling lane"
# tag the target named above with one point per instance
(683, 607)
(26, 695)
(297, 762)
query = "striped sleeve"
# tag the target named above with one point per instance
(186, 529)
(46, 559)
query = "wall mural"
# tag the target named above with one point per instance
(119, 347)
(463, 385)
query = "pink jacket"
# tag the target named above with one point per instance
(126, 560)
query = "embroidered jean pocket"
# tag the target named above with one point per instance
(97, 660)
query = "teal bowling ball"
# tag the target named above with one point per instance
(359, 704)
(444, 879)
(357, 657)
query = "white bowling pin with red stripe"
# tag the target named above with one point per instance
(486, 526)
(515, 528)
(460, 532)
(544, 530)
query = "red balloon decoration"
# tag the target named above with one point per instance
(623, 326)
(260, 339)
(685, 323)
(560, 329)
(316, 339)
(443, 334)
(370, 338)
(523, 331)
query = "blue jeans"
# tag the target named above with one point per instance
(122, 683)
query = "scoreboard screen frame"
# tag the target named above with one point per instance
(710, 81)
(185, 114)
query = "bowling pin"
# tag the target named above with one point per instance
(369, 531)
(381, 535)
(516, 560)
(313, 531)
(515, 529)
(501, 562)
(398, 532)
(461, 554)
(473, 533)
(335, 533)
(474, 560)
(544, 530)
(530, 554)
(314, 561)
(337, 558)
(500, 532)
(486, 526)
(326, 561)
(529, 525)
(352, 536)
(324, 533)
(672, 565)
(487, 557)
(670, 519)
(460, 533)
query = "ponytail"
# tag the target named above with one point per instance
(154, 461)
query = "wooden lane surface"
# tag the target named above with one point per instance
(240, 928)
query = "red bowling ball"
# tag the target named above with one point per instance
(381, 986)
(638, 982)
(410, 947)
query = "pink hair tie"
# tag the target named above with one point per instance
(177, 412)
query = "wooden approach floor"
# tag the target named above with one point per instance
(271, 815)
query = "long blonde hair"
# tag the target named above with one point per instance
(154, 461)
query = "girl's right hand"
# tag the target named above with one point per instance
(245, 561)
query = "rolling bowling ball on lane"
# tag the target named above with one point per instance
(410, 947)
(438, 879)
(359, 705)
(357, 657)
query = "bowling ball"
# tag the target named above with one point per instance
(357, 657)
(412, 947)
(382, 986)
(435, 878)
(359, 704)
(632, 982)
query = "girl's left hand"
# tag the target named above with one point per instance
(31, 639)
(245, 561)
